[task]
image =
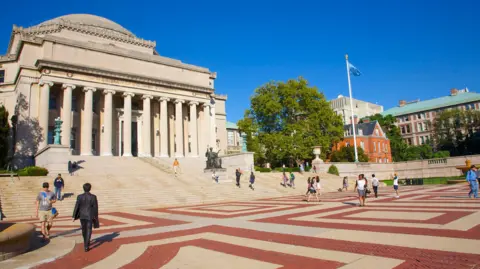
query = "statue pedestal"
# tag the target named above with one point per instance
(317, 162)
(220, 172)
(54, 158)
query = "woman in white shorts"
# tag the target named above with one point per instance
(360, 187)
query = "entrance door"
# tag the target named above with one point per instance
(134, 139)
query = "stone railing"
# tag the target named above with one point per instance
(437, 161)
(234, 149)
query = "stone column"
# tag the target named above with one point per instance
(147, 126)
(163, 127)
(127, 124)
(108, 123)
(206, 125)
(67, 113)
(178, 128)
(193, 129)
(87, 122)
(213, 133)
(44, 112)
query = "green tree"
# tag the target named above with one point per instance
(4, 133)
(347, 154)
(286, 119)
(457, 131)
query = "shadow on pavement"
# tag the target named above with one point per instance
(102, 239)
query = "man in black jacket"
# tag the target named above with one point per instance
(86, 209)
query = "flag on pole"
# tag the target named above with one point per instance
(353, 70)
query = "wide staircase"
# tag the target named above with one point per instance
(122, 183)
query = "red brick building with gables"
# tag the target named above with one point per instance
(371, 138)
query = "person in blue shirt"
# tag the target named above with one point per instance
(472, 181)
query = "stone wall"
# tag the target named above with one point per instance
(445, 167)
(54, 158)
(243, 160)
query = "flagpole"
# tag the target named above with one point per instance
(351, 109)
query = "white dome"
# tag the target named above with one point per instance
(89, 20)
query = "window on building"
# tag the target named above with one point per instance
(2, 76)
(420, 126)
(347, 144)
(74, 103)
(230, 138)
(419, 116)
(408, 129)
(374, 147)
(94, 135)
(73, 138)
(52, 102)
(362, 145)
(94, 103)
(406, 118)
(376, 132)
(379, 160)
(135, 106)
(386, 160)
(422, 140)
(360, 131)
(50, 136)
(379, 147)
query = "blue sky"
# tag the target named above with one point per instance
(405, 49)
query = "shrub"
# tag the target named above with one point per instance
(262, 169)
(333, 170)
(33, 171)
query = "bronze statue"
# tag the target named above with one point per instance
(213, 161)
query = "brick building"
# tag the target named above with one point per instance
(415, 119)
(370, 138)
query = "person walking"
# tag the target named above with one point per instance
(375, 183)
(86, 209)
(252, 181)
(314, 169)
(345, 183)
(395, 185)
(238, 174)
(176, 167)
(70, 168)
(472, 181)
(44, 202)
(318, 188)
(59, 184)
(283, 168)
(292, 180)
(214, 176)
(284, 180)
(360, 187)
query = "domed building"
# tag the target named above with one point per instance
(113, 92)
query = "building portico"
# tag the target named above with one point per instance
(114, 100)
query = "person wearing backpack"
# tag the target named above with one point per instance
(292, 180)
(45, 200)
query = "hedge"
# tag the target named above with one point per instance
(292, 169)
(262, 169)
(32, 171)
(333, 170)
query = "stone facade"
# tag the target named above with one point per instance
(341, 106)
(115, 94)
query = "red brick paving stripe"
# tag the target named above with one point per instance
(198, 214)
(77, 258)
(374, 227)
(154, 258)
(448, 216)
(253, 207)
(415, 258)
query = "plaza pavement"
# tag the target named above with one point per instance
(428, 227)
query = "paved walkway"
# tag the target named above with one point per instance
(428, 227)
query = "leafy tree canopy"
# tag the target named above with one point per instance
(286, 119)
(347, 154)
(457, 131)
